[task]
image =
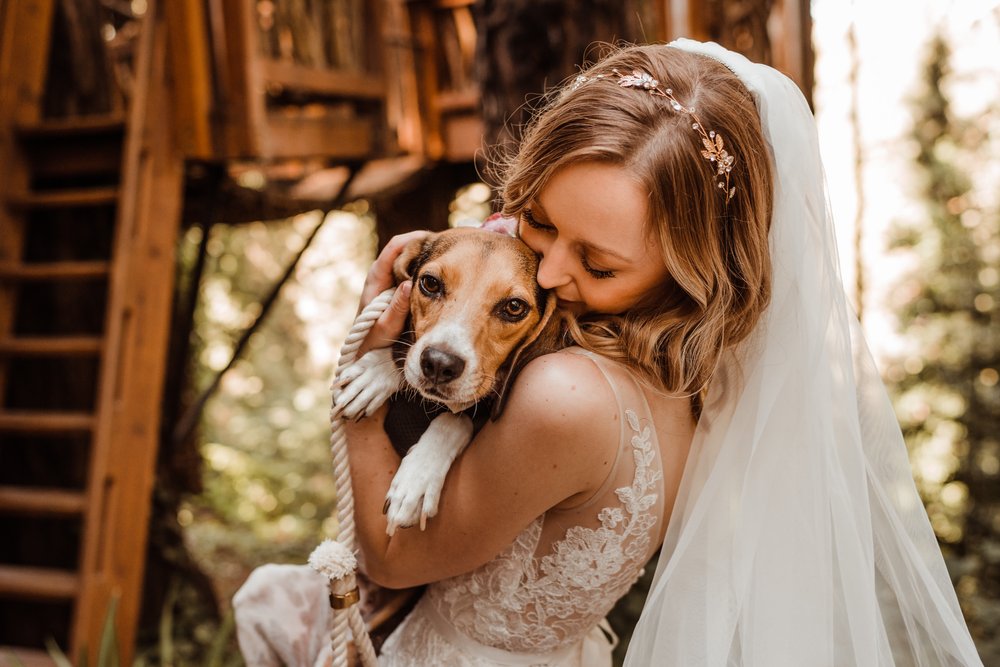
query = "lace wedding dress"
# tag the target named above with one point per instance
(541, 601)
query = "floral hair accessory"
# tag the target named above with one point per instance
(713, 147)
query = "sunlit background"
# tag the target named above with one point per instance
(930, 313)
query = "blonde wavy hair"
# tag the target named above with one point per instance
(715, 252)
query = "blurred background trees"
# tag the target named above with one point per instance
(947, 393)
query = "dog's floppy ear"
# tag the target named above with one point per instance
(546, 337)
(413, 255)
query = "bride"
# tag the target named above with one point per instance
(717, 397)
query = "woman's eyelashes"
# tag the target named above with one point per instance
(599, 274)
(533, 222)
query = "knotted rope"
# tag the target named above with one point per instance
(336, 559)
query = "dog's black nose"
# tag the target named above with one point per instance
(440, 367)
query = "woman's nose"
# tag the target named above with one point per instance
(552, 268)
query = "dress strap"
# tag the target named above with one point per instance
(613, 373)
(600, 362)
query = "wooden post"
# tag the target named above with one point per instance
(24, 48)
(132, 371)
(192, 103)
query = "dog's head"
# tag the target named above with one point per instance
(476, 315)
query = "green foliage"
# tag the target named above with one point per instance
(268, 491)
(946, 389)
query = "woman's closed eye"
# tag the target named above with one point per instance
(600, 274)
(533, 222)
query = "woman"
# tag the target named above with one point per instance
(719, 399)
(562, 501)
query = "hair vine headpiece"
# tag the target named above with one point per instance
(713, 148)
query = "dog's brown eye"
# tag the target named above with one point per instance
(514, 309)
(430, 285)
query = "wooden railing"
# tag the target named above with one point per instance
(273, 79)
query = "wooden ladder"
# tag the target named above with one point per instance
(102, 335)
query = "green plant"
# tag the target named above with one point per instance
(107, 652)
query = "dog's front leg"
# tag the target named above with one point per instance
(366, 384)
(416, 489)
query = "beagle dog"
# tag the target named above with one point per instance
(477, 316)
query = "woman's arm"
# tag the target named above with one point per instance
(556, 440)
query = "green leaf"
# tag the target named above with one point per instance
(167, 626)
(107, 653)
(56, 653)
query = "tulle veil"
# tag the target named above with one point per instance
(798, 537)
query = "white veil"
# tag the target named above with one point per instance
(798, 537)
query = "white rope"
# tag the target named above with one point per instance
(336, 560)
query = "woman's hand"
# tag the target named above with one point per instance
(389, 326)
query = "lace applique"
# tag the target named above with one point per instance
(519, 602)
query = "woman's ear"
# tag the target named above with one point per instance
(411, 258)
(546, 337)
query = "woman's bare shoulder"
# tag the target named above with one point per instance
(566, 400)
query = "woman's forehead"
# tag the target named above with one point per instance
(599, 204)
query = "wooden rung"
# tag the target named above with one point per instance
(320, 81)
(51, 346)
(78, 125)
(97, 196)
(40, 583)
(40, 422)
(41, 502)
(15, 656)
(54, 270)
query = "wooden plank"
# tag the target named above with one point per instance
(41, 501)
(24, 49)
(452, 4)
(51, 346)
(38, 583)
(463, 137)
(243, 106)
(24, 58)
(189, 62)
(71, 157)
(71, 126)
(98, 196)
(340, 138)
(402, 96)
(794, 53)
(16, 271)
(120, 483)
(328, 82)
(44, 422)
(14, 656)
(422, 22)
(458, 100)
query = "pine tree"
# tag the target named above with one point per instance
(947, 393)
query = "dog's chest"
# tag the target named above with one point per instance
(409, 416)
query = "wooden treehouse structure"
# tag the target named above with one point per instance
(111, 114)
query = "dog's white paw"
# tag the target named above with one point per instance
(416, 489)
(366, 384)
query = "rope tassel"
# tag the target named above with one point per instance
(335, 559)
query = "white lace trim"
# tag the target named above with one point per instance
(519, 602)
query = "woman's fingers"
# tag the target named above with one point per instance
(390, 324)
(380, 276)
